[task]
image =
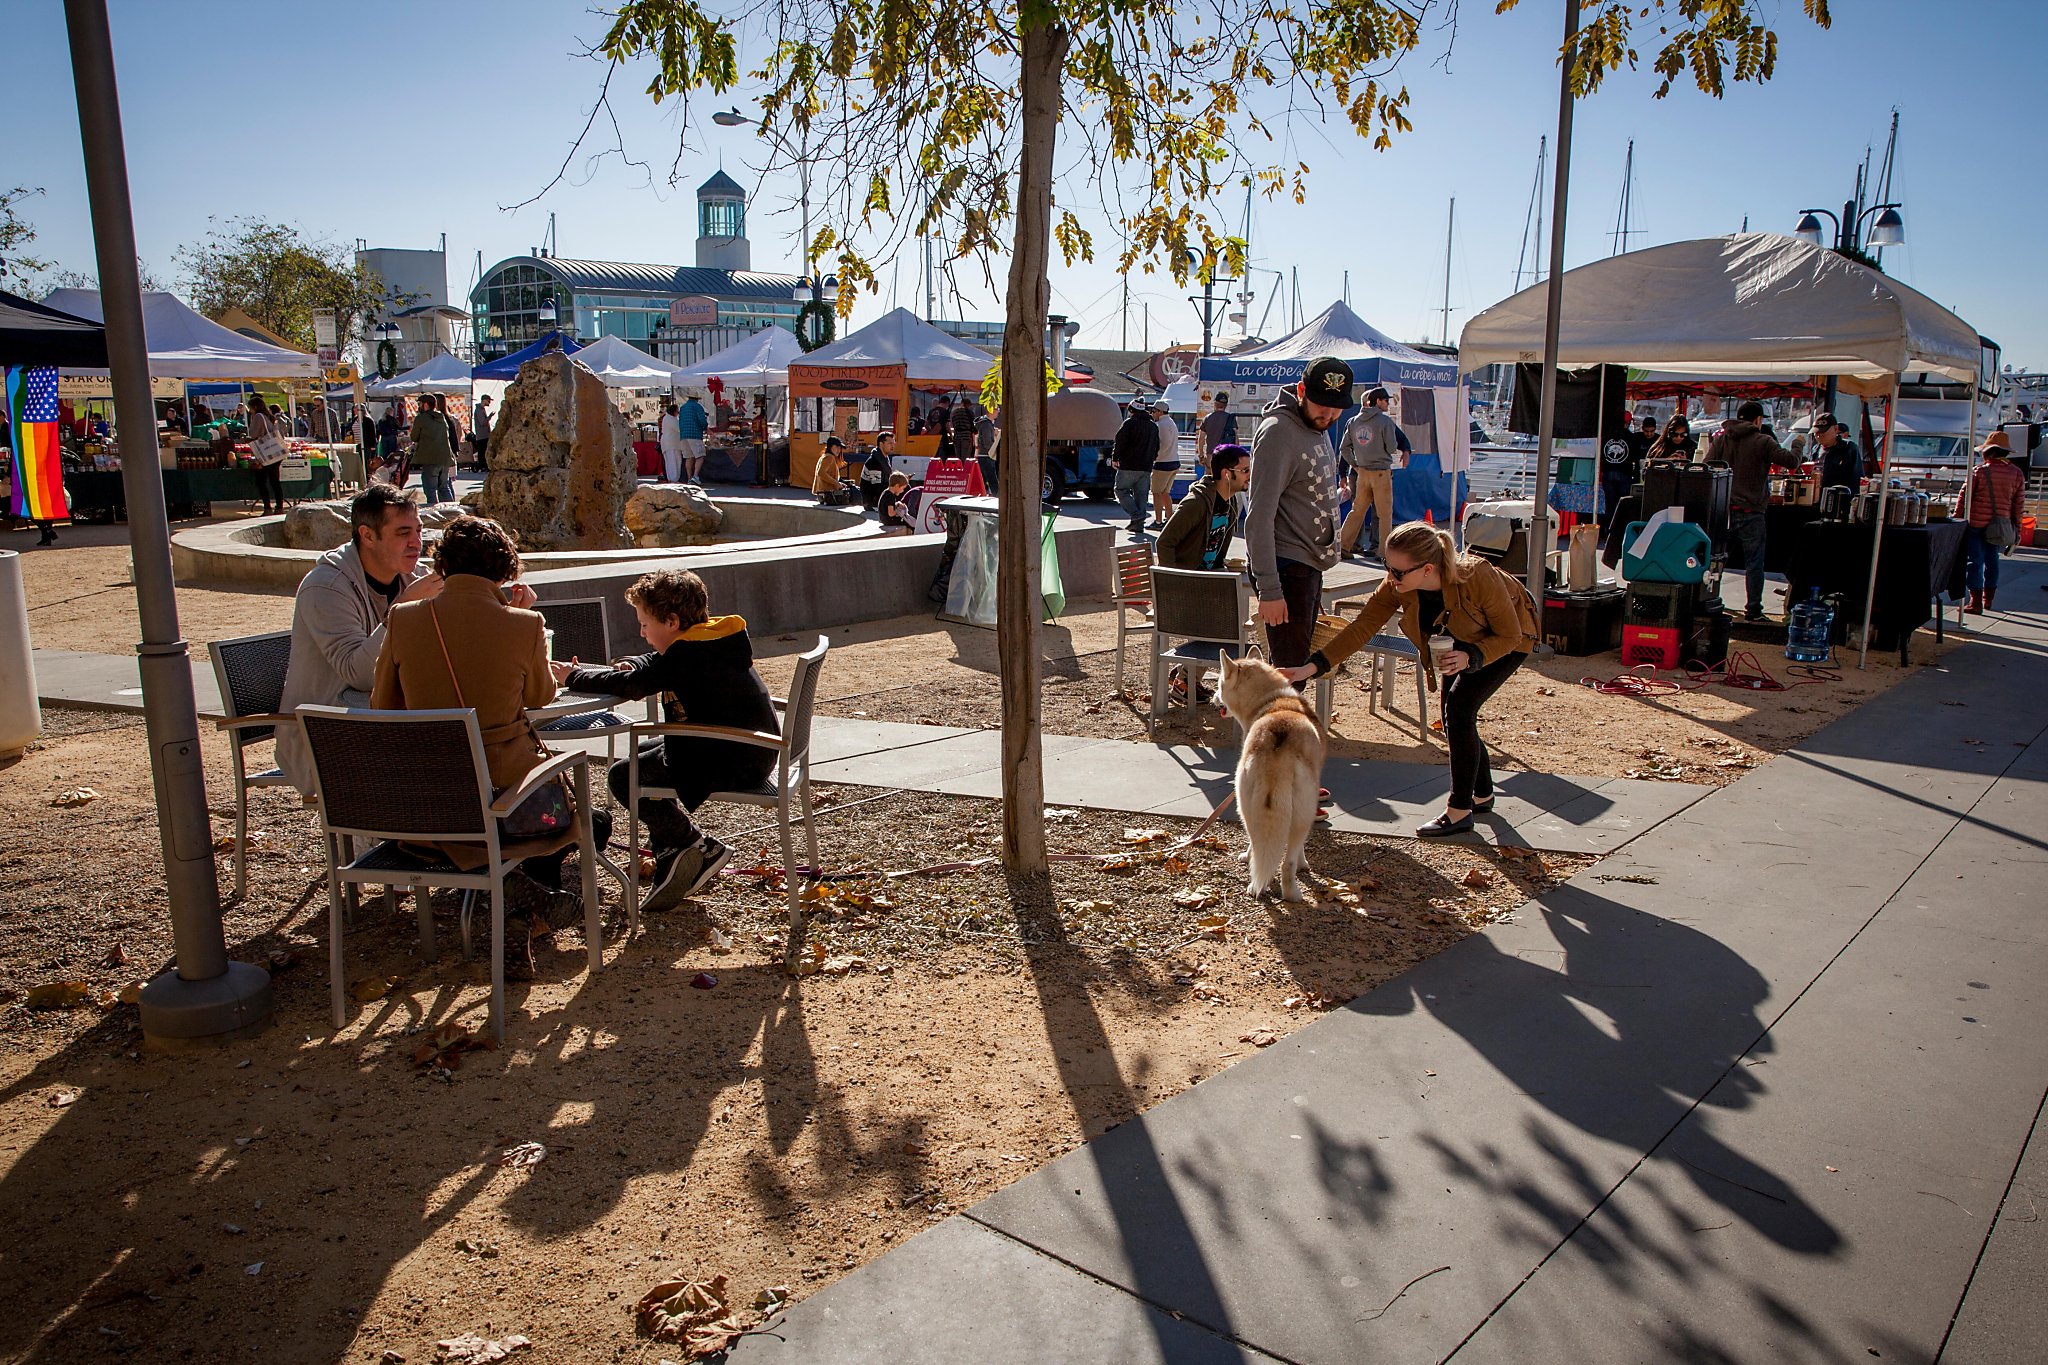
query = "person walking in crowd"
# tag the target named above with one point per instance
(703, 670)
(478, 645)
(1197, 535)
(480, 435)
(1372, 449)
(691, 424)
(433, 453)
(266, 449)
(339, 611)
(1291, 527)
(456, 437)
(1165, 463)
(1841, 463)
(1621, 464)
(320, 423)
(671, 442)
(1751, 453)
(1491, 623)
(1676, 445)
(387, 436)
(1998, 495)
(1132, 452)
(1218, 428)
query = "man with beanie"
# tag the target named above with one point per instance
(1372, 448)
(1135, 447)
(1291, 528)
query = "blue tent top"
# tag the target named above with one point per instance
(1374, 357)
(507, 366)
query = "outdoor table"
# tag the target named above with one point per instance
(732, 463)
(98, 493)
(1916, 565)
(1349, 581)
(570, 704)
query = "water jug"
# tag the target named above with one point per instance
(1809, 628)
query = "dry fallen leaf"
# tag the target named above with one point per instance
(373, 988)
(721, 942)
(691, 1312)
(1216, 926)
(522, 1155)
(1197, 897)
(58, 995)
(471, 1349)
(1478, 879)
(1143, 836)
(917, 1147)
(1259, 1037)
(1366, 883)
(771, 1299)
(75, 796)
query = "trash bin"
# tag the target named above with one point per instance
(21, 719)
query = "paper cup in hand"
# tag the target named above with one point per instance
(1440, 645)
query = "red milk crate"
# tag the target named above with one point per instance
(1657, 645)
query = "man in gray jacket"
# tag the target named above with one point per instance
(1291, 528)
(1371, 447)
(338, 615)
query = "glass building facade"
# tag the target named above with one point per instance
(596, 299)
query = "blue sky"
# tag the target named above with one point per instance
(397, 121)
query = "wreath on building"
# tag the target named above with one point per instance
(387, 360)
(816, 324)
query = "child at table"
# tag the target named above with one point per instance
(703, 670)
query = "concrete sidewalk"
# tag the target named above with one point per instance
(1538, 810)
(1778, 1103)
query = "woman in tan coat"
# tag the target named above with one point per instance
(1487, 615)
(477, 646)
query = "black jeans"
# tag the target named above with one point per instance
(1463, 694)
(1748, 530)
(1613, 488)
(702, 767)
(269, 486)
(1301, 585)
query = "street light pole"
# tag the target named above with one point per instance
(206, 996)
(1541, 543)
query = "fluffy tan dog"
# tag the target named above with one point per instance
(1278, 772)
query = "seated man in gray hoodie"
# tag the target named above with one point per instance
(1291, 527)
(338, 615)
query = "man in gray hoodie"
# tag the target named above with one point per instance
(1291, 527)
(1372, 447)
(338, 615)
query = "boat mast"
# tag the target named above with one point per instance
(1535, 212)
(1622, 231)
(1884, 175)
(1450, 218)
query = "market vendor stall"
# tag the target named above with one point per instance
(1916, 566)
(33, 341)
(740, 448)
(1428, 401)
(1753, 305)
(870, 374)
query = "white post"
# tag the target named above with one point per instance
(1963, 509)
(1884, 483)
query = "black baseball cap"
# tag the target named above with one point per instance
(1327, 381)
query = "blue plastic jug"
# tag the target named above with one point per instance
(1809, 631)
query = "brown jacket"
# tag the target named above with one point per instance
(1489, 610)
(501, 664)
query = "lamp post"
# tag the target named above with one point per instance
(387, 333)
(1206, 301)
(733, 118)
(546, 312)
(1889, 229)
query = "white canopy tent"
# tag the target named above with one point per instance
(619, 364)
(1754, 305)
(900, 337)
(444, 373)
(760, 361)
(184, 345)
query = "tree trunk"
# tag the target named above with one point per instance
(1021, 460)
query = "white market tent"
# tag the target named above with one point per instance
(444, 373)
(1374, 357)
(760, 361)
(1753, 305)
(928, 355)
(619, 364)
(184, 345)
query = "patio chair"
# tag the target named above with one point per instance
(1205, 612)
(790, 786)
(1133, 593)
(582, 627)
(421, 777)
(250, 670)
(1387, 650)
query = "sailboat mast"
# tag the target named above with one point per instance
(1621, 216)
(1536, 196)
(1884, 175)
(1450, 219)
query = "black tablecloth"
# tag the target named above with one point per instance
(1917, 564)
(99, 493)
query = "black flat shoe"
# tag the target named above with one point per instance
(1443, 826)
(1482, 804)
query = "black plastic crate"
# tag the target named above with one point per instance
(1582, 623)
(1667, 604)
(1706, 643)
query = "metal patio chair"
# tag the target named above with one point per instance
(1198, 616)
(1133, 594)
(250, 670)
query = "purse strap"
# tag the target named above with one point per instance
(435, 617)
(496, 733)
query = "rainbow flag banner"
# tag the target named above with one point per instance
(30, 396)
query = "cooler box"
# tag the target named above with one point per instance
(1703, 490)
(1582, 623)
(1680, 552)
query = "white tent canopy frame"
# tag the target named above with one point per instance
(443, 373)
(760, 361)
(619, 364)
(1753, 305)
(900, 337)
(185, 345)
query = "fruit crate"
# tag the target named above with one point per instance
(1653, 645)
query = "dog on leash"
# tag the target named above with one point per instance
(1278, 772)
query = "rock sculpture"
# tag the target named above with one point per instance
(661, 514)
(316, 526)
(561, 460)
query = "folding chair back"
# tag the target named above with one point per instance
(250, 670)
(1197, 604)
(582, 628)
(803, 696)
(417, 775)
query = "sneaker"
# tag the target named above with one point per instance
(712, 857)
(673, 870)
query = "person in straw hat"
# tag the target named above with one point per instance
(1997, 500)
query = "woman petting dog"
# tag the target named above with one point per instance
(1488, 616)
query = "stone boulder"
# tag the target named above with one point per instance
(441, 513)
(662, 514)
(317, 526)
(562, 461)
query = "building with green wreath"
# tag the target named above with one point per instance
(675, 312)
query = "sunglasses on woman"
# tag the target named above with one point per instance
(1399, 575)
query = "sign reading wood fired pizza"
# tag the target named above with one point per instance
(845, 381)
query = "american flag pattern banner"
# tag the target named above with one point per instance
(31, 396)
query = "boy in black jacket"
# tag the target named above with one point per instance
(703, 669)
